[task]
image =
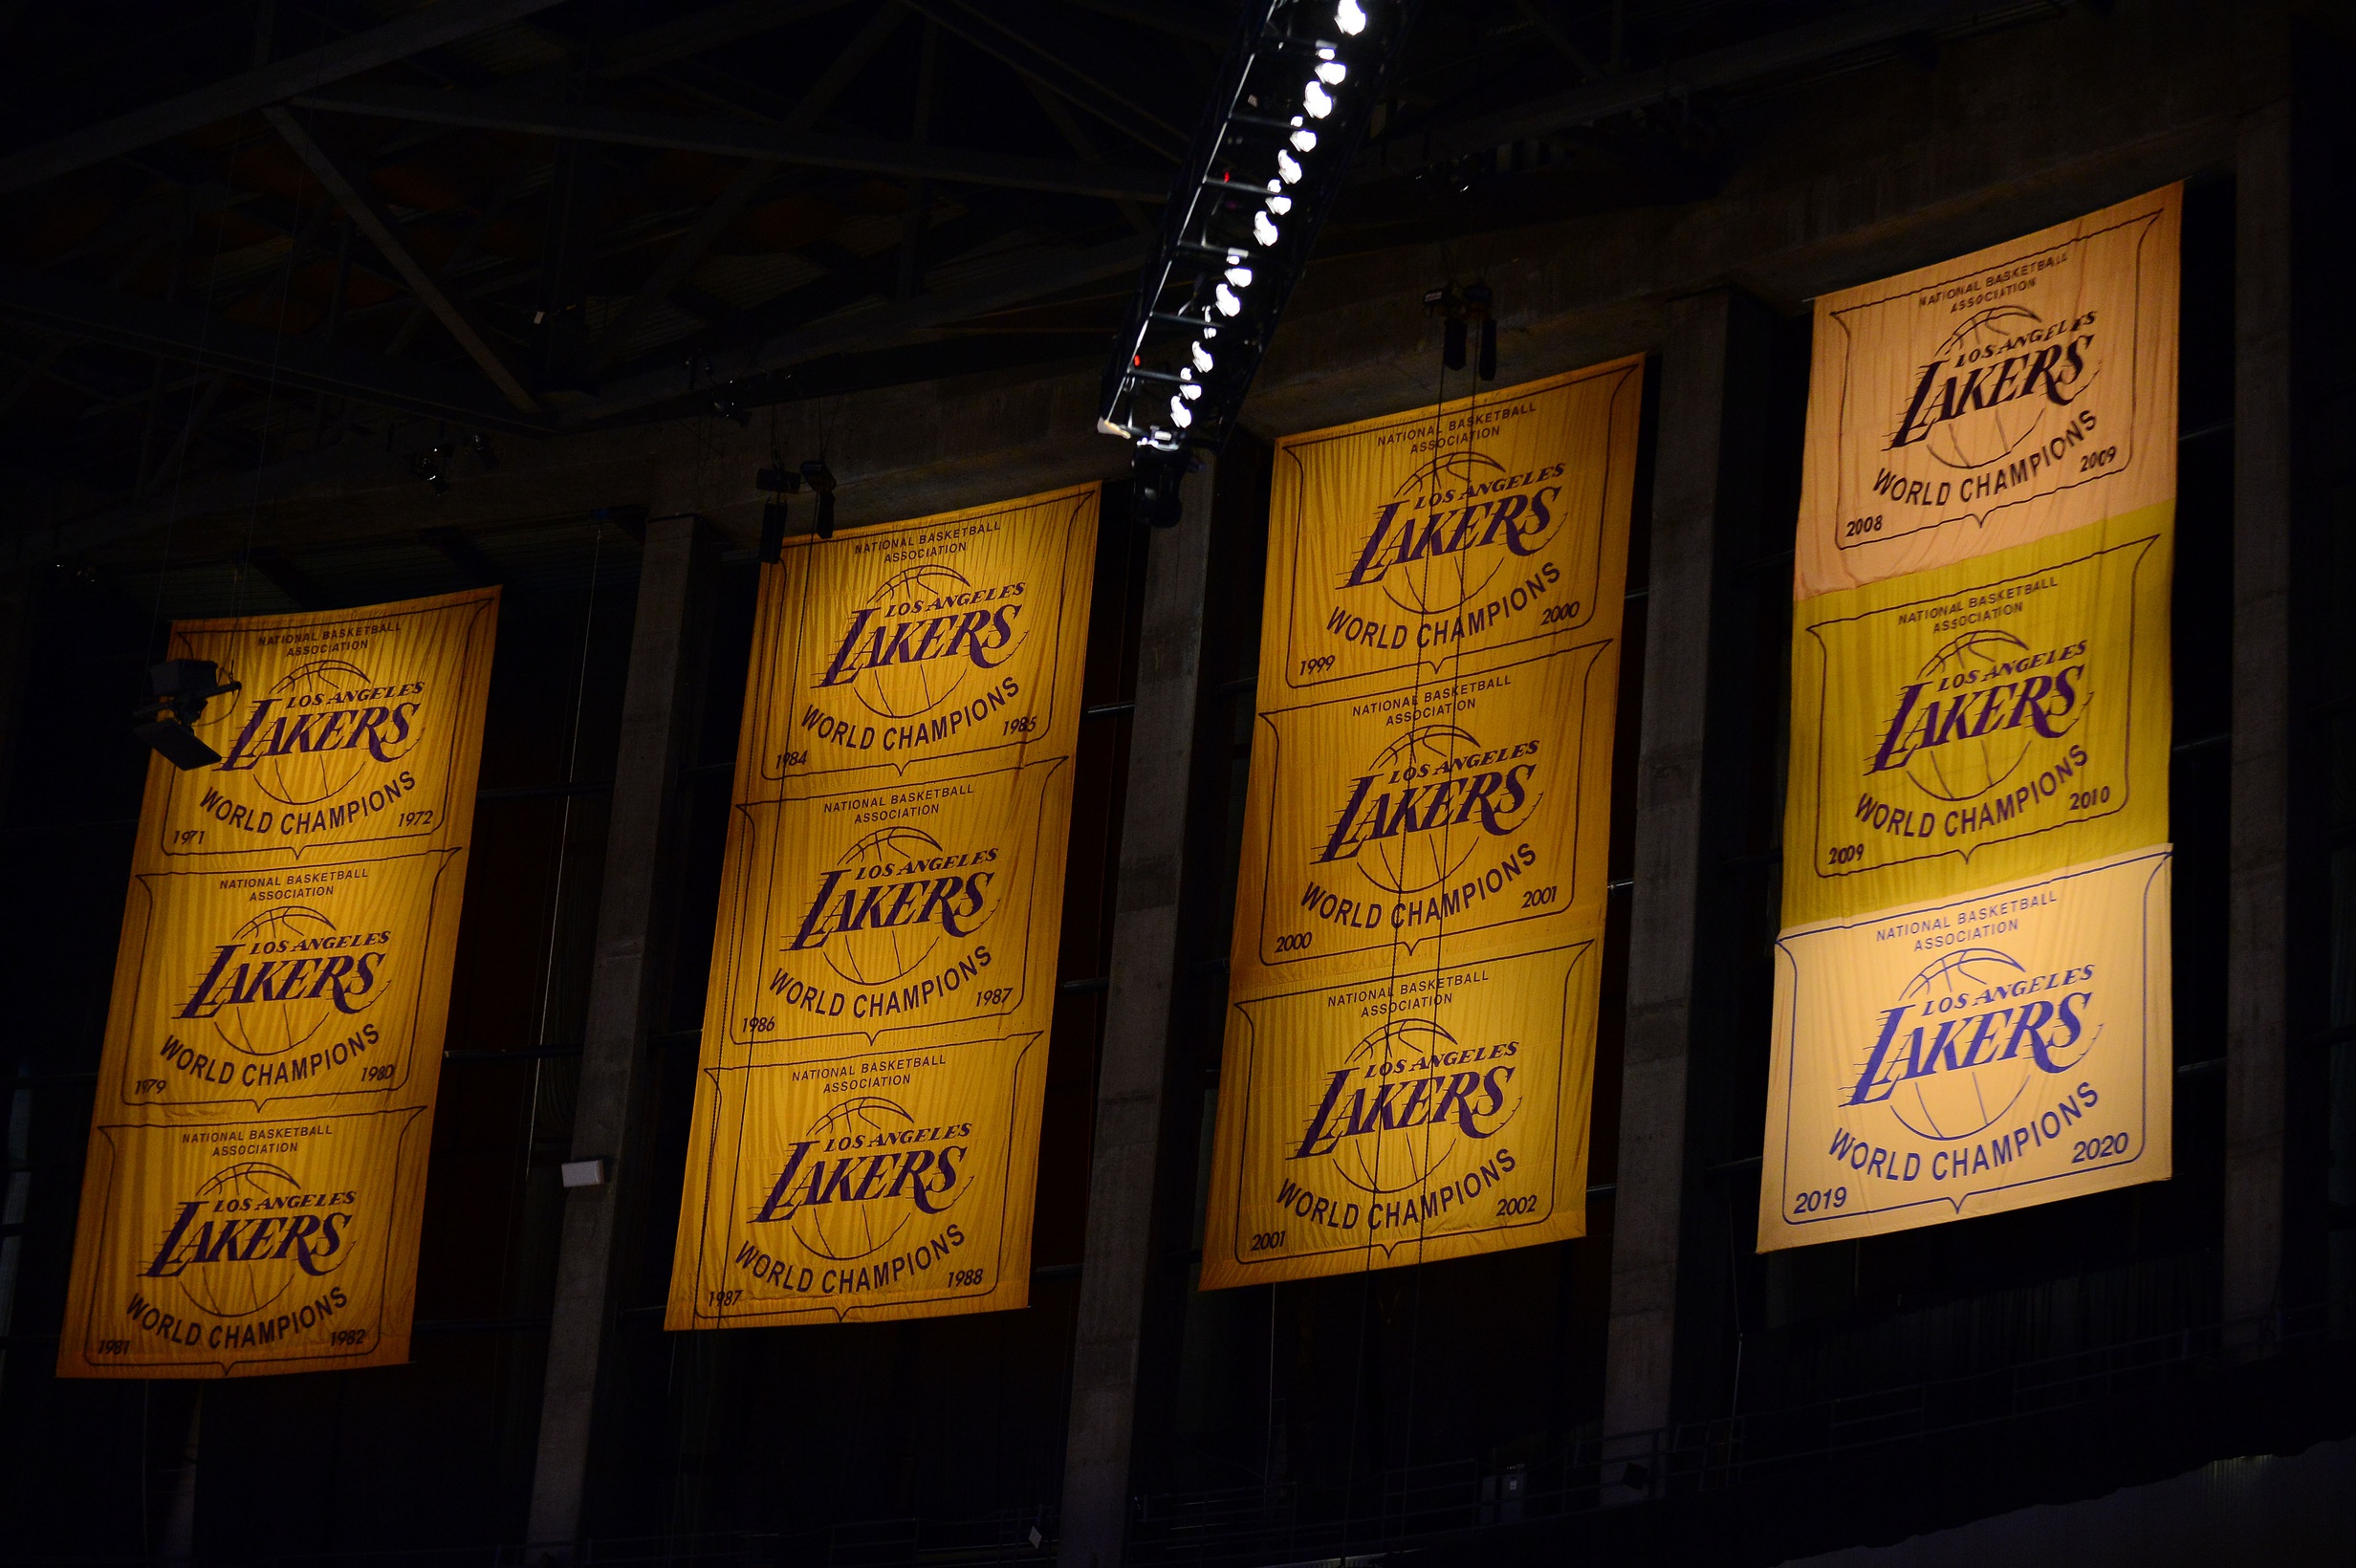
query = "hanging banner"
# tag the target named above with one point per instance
(1967, 1056)
(1971, 984)
(2006, 396)
(1962, 727)
(1411, 1034)
(256, 1170)
(866, 1135)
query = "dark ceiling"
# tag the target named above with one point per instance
(238, 232)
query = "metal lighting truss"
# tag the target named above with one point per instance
(1273, 148)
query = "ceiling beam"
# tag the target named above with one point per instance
(1417, 147)
(689, 251)
(650, 49)
(90, 313)
(989, 28)
(738, 139)
(429, 27)
(350, 190)
(1023, 277)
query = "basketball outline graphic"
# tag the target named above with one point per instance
(904, 690)
(870, 957)
(1419, 587)
(306, 778)
(1439, 847)
(1363, 1160)
(847, 1230)
(272, 1028)
(2003, 427)
(1934, 1105)
(264, 1280)
(1928, 767)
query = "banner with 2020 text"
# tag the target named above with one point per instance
(1972, 1005)
(256, 1170)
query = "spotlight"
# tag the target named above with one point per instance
(1240, 276)
(1350, 17)
(1180, 414)
(480, 445)
(1199, 354)
(1477, 299)
(1330, 71)
(821, 481)
(1316, 99)
(1264, 229)
(1305, 139)
(1157, 472)
(180, 686)
(1190, 390)
(431, 466)
(778, 481)
(1224, 299)
(725, 404)
(1288, 168)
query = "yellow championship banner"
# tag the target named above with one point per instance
(866, 1135)
(1965, 1056)
(1410, 1035)
(1972, 996)
(256, 1172)
(1965, 726)
(2018, 392)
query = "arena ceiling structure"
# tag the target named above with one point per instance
(274, 226)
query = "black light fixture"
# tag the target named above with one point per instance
(480, 445)
(725, 404)
(821, 482)
(1292, 101)
(181, 688)
(1477, 300)
(1159, 471)
(432, 466)
(780, 483)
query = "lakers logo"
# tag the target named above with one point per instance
(285, 975)
(1451, 527)
(863, 1171)
(1968, 1036)
(1963, 727)
(920, 635)
(1428, 802)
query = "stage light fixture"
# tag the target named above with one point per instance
(480, 445)
(821, 481)
(1157, 472)
(433, 466)
(181, 688)
(725, 404)
(1225, 261)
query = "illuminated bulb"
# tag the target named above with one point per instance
(1201, 356)
(1180, 414)
(1224, 299)
(1332, 72)
(1263, 229)
(1288, 168)
(1305, 140)
(1191, 391)
(1316, 99)
(1350, 17)
(1240, 276)
(1279, 205)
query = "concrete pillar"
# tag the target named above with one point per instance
(1690, 496)
(1127, 1183)
(2256, 956)
(626, 990)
